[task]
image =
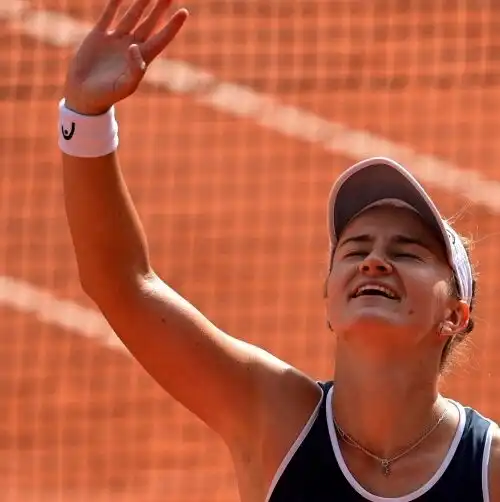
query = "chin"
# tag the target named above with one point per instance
(370, 320)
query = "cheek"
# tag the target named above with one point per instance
(426, 296)
(334, 296)
(441, 296)
(338, 281)
(335, 291)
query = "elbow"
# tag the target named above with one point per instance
(104, 292)
(96, 280)
(92, 286)
(108, 285)
(88, 285)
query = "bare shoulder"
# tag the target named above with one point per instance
(288, 398)
(293, 405)
(494, 474)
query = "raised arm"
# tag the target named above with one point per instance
(209, 372)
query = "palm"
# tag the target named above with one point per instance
(109, 65)
(99, 71)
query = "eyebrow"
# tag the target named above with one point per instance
(404, 239)
(357, 238)
(397, 239)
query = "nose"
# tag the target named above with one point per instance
(374, 265)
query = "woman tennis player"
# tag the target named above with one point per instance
(399, 296)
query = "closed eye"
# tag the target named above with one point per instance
(362, 254)
(407, 255)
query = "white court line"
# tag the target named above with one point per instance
(66, 314)
(62, 30)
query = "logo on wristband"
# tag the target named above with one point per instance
(67, 135)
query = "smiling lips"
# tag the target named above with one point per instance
(375, 290)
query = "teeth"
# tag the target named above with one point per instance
(371, 287)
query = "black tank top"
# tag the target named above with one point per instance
(314, 470)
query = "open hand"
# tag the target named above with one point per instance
(110, 63)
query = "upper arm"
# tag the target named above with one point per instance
(217, 377)
(494, 467)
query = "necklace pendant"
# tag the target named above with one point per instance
(386, 467)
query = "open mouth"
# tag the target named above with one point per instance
(375, 290)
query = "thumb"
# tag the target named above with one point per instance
(136, 62)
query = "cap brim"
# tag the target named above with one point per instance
(373, 180)
(379, 178)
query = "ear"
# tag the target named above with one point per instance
(456, 320)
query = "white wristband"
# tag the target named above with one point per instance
(87, 135)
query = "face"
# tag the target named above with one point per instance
(390, 279)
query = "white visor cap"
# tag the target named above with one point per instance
(380, 181)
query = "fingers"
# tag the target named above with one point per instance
(108, 14)
(147, 27)
(152, 47)
(137, 63)
(131, 17)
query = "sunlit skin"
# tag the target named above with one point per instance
(389, 350)
(388, 353)
(392, 247)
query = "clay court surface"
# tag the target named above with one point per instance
(231, 182)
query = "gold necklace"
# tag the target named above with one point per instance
(385, 463)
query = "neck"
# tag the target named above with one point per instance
(383, 406)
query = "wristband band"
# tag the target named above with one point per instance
(87, 135)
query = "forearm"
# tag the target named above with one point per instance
(108, 238)
(108, 66)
